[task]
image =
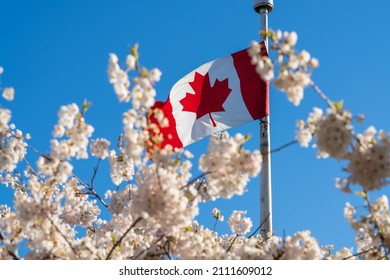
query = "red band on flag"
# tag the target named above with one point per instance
(254, 90)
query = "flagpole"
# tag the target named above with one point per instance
(264, 7)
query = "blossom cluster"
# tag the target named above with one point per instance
(228, 166)
(368, 154)
(71, 124)
(12, 141)
(238, 223)
(333, 132)
(160, 198)
(372, 231)
(142, 92)
(12, 147)
(369, 161)
(294, 67)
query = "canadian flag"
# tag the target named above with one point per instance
(216, 96)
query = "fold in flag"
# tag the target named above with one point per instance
(216, 96)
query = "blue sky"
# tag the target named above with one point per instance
(56, 52)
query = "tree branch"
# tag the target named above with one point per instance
(262, 223)
(322, 95)
(91, 190)
(95, 170)
(284, 146)
(195, 179)
(122, 237)
(231, 245)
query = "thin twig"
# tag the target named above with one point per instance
(122, 237)
(262, 223)
(30, 167)
(39, 153)
(158, 177)
(195, 179)
(322, 95)
(215, 224)
(91, 190)
(284, 146)
(231, 245)
(166, 250)
(359, 254)
(95, 170)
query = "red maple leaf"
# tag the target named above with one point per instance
(206, 99)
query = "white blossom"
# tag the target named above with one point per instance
(131, 62)
(99, 148)
(154, 75)
(301, 247)
(290, 40)
(344, 254)
(228, 166)
(8, 93)
(304, 136)
(121, 168)
(293, 84)
(5, 117)
(334, 133)
(369, 162)
(12, 147)
(238, 223)
(314, 63)
(78, 209)
(119, 79)
(120, 201)
(72, 124)
(264, 65)
(217, 214)
(199, 243)
(67, 115)
(160, 197)
(304, 57)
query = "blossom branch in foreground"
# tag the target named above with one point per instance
(51, 204)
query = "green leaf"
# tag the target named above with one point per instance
(338, 105)
(144, 72)
(362, 194)
(86, 106)
(134, 51)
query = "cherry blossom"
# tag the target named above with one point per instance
(8, 93)
(238, 224)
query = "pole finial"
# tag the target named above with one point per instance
(259, 5)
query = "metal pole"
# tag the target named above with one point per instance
(263, 8)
